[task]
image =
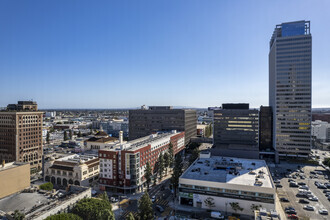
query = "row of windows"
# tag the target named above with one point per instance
(293, 39)
(293, 48)
(296, 51)
(293, 56)
(231, 191)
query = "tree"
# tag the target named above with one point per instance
(235, 206)
(160, 166)
(194, 155)
(166, 161)
(65, 136)
(46, 186)
(209, 202)
(255, 207)
(130, 216)
(94, 208)
(171, 154)
(64, 216)
(18, 215)
(47, 137)
(177, 171)
(79, 134)
(148, 174)
(104, 196)
(326, 161)
(70, 134)
(145, 207)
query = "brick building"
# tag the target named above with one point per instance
(122, 165)
(21, 135)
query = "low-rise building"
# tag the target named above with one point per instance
(122, 165)
(320, 130)
(75, 169)
(39, 205)
(99, 141)
(14, 177)
(223, 183)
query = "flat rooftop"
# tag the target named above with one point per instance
(141, 142)
(230, 170)
(11, 165)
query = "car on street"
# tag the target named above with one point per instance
(309, 208)
(323, 211)
(277, 181)
(153, 198)
(283, 199)
(159, 208)
(304, 201)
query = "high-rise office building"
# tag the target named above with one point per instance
(143, 122)
(235, 131)
(21, 134)
(290, 82)
(265, 129)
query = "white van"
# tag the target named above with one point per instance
(217, 215)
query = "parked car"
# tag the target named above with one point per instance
(304, 187)
(293, 184)
(313, 198)
(323, 211)
(309, 207)
(302, 184)
(321, 186)
(278, 186)
(304, 201)
(153, 198)
(293, 216)
(326, 190)
(217, 215)
(284, 199)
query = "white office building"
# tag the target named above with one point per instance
(220, 183)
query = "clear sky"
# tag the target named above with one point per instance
(113, 54)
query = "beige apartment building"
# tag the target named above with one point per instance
(21, 135)
(14, 177)
(80, 170)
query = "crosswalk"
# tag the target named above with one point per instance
(161, 202)
(126, 213)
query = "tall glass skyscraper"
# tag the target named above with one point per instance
(290, 93)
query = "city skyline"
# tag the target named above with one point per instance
(110, 55)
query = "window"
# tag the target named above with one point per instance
(200, 187)
(231, 191)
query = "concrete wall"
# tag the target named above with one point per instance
(63, 207)
(223, 204)
(15, 179)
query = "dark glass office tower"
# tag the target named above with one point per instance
(290, 82)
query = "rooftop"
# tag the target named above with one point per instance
(11, 165)
(142, 142)
(230, 170)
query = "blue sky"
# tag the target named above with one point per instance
(112, 54)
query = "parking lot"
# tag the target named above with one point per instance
(282, 172)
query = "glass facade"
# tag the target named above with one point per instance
(290, 62)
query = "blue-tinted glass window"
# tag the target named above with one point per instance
(293, 29)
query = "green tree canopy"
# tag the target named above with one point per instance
(18, 215)
(145, 207)
(46, 186)
(177, 171)
(130, 216)
(64, 216)
(171, 154)
(148, 174)
(94, 208)
(161, 165)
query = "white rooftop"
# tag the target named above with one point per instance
(230, 170)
